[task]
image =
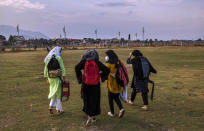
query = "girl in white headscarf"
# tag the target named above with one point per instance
(55, 83)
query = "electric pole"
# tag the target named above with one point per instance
(64, 31)
(136, 35)
(143, 33)
(96, 32)
(119, 37)
(17, 29)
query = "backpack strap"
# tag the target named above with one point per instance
(152, 93)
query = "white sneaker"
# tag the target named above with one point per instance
(121, 113)
(110, 114)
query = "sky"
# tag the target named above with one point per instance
(161, 19)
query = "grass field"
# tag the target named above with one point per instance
(178, 103)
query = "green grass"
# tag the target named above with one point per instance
(178, 103)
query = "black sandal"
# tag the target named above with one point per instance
(51, 110)
(60, 112)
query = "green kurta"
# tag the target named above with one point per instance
(55, 83)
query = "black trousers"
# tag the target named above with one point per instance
(91, 99)
(114, 96)
(144, 96)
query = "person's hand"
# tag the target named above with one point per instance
(47, 80)
(64, 79)
(130, 54)
(112, 74)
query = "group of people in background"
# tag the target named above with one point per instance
(95, 72)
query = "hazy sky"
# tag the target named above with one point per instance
(162, 19)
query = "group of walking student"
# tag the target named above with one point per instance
(95, 71)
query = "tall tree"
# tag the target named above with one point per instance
(129, 37)
(2, 37)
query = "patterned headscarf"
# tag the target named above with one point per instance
(91, 55)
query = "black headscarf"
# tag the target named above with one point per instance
(137, 53)
(91, 55)
(136, 62)
(113, 58)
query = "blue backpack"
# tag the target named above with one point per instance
(145, 67)
(146, 72)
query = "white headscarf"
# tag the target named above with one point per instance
(55, 51)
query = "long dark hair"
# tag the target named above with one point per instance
(113, 58)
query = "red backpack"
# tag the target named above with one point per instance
(122, 75)
(91, 73)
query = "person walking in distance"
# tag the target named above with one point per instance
(141, 70)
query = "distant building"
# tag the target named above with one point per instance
(76, 42)
(107, 41)
(114, 40)
(89, 41)
(19, 41)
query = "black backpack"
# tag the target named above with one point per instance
(145, 67)
(53, 64)
(146, 73)
(54, 69)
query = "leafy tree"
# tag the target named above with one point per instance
(150, 41)
(129, 37)
(11, 40)
(199, 39)
(146, 41)
(2, 37)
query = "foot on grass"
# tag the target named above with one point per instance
(130, 102)
(93, 120)
(51, 110)
(88, 122)
(121, 113)
(110, 114)
(145, 108)
(60, 112)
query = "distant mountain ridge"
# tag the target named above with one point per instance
(6, 31)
